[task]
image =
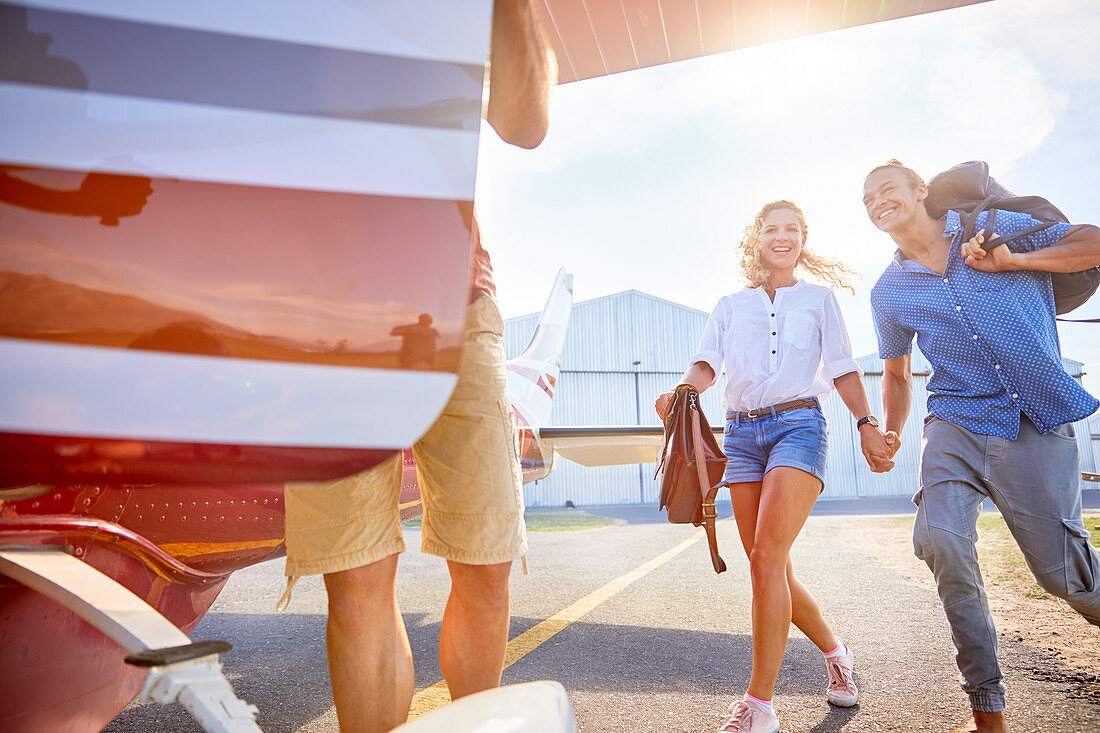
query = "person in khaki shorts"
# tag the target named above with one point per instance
(349, 530)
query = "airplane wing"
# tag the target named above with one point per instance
(606, 445)
(597, 37)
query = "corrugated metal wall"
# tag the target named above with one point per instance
(601, 384)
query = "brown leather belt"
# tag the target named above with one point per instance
(765, 411)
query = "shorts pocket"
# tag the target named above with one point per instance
(1081, 560)
(800, 416)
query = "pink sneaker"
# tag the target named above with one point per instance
(842, 690)
(748, 717)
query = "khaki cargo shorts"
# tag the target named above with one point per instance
(467, 467)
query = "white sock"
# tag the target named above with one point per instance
(840, 651)
(766, 705)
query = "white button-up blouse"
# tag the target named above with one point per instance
(779, 351)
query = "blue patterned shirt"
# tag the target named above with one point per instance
(989, 336)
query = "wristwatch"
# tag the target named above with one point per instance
(869, 420)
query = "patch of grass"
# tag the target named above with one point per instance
(1001, 561)
(563, 520)
(552, 520)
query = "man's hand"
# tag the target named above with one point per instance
(997, 259)
(878, 447)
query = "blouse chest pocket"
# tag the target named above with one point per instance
(799, 330)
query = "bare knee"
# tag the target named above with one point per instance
(767, 564)
(485, 586)
(361, 591)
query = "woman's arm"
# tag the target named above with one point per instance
(699, 375)
(877, 446)
(707, 361)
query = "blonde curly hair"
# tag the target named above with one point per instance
(756, 272)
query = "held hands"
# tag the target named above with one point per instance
(878, 447)
(997, 259)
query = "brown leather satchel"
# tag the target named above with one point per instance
(693, 465)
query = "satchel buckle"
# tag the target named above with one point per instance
(712, 513)
(752, 414)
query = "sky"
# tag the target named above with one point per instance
(647, 179)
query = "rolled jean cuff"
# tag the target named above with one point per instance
(987, 701)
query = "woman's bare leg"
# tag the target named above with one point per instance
(769, 515)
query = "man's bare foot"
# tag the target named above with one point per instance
(983, 722)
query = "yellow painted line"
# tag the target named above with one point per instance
(191, 549)
(437, 695)
(407, 504)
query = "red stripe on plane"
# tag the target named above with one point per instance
(245, 271)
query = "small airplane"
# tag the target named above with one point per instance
(174, 546)
(197, 295)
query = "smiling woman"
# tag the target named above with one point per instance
(784, 347)
(776, 240)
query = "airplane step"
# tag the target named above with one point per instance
(179, 672)
(174, 654)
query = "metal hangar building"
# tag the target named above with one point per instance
(623, 350)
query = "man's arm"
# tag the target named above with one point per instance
(1078, 250)
(897, 394)
(522, 70)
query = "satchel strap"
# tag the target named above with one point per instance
(679, 395)
(710, 513)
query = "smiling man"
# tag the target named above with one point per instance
(1000, 407)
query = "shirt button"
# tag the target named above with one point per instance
(773, 333)
(773, 315)
(773, 351)
(958, 307)
(1014, 395)
(974, 336)
(996, 366)
(945, 279)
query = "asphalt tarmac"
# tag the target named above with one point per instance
(667, 652)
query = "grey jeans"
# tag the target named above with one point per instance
(1035, 481)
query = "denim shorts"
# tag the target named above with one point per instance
(795, 438)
